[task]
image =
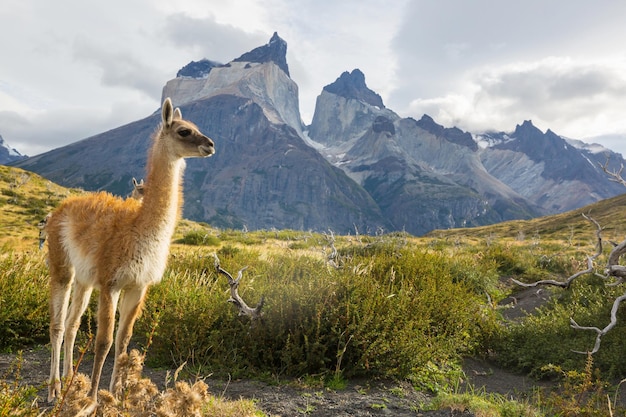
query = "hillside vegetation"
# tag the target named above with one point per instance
(339, 307)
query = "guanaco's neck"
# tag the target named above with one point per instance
(162, 198)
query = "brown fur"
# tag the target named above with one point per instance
(119, 247)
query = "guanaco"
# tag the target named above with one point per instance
(119, 247)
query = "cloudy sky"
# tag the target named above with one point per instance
(73, 68)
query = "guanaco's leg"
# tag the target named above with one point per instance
(104, 335)
(60, 288)
(80, 300)
(130, 307)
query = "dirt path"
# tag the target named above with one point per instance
(360, 398)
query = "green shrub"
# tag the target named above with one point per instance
(546, 337)
(199, 237)
(508, 259)
(388, 312)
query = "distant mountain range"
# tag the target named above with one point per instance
(358, 167)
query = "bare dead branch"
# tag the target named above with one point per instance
(590, 259)
(613, 269)
(604, 331)
(562, 284)
(615, 176)
(244, 309)
(614, 256)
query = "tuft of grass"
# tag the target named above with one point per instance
(583, 393)
(483, 404)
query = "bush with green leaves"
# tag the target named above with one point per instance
(388, 311)
(546, 337)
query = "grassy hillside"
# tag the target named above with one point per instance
(25, 199)
(610, 213)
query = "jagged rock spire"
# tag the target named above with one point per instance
(274, 51)
(352, 85)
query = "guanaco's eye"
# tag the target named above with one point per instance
(184, 132)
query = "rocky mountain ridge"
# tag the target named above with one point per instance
(549, 170)
(358, 167)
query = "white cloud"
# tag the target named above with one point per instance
(120, 68)
(573, 98)
(75, 68)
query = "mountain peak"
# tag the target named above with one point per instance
(352, 85)
(274, 51)
(527, 129)
(428, 123)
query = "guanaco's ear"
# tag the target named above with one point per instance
(177, 114)
(167, 112)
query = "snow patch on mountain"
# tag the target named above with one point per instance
(7, 153)
(490, 139)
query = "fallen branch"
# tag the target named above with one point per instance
(244, 309)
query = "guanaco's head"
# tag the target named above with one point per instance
(185, 139)
(138, 190)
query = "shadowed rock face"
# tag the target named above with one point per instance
(453, 135)
(262, 176)
(383, 124)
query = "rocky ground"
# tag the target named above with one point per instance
(360, 398)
